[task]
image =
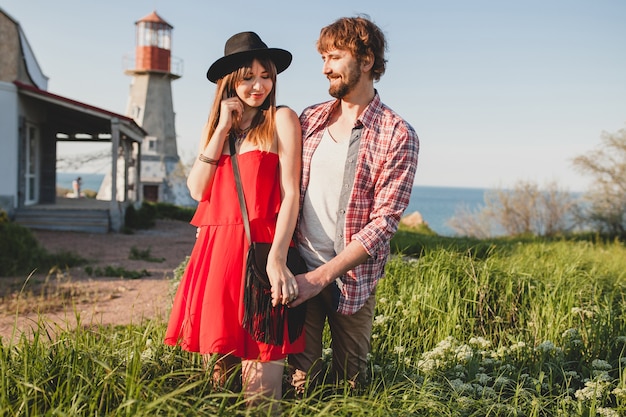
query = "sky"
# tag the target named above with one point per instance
(498, 91)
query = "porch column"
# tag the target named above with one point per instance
(115, 215)
(137, 179)
(126, 145)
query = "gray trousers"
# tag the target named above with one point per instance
(350, 335)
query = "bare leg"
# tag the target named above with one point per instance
(262, 379)
(223, 369)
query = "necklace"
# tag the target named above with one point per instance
(240, 135)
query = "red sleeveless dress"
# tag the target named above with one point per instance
(207, 311)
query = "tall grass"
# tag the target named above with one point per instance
(503, 328)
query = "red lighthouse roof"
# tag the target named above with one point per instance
(154, 18)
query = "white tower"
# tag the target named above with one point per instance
(150, 104)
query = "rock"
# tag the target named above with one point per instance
(414, 219)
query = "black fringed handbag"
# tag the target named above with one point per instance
(264, 322)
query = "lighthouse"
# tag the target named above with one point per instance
(150, 104)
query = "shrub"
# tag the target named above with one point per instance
(524, 210)
(174, 212)
(20, 252)
(606, 208)
(144, 218)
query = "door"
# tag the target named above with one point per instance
(32, 165)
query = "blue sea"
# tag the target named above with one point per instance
(438, 204)
(89, 181)
(435, 204)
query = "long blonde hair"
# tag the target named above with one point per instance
(263, 125)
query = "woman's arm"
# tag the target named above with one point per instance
(202, 171)
(201, 174)
(289, 138)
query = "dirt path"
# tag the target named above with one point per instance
(98, 300)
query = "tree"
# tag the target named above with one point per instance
(606, 199)
(524, 210)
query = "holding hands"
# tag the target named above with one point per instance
(284, 285)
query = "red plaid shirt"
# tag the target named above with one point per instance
(385, 169)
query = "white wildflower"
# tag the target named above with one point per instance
(432, 359)
(548, 347)
(607, 412)
(601, 365)
(461, 387)
(571, 374)
(592, 390)
(456, 384)
(512, 349)
(380, 320)
(501, 381)
(465, 402)
(464, 353)
(489, 362)
(446, 343)
(486, 392)
(508, 368)
(620, 393)
(427, 365)
(483, 379)
(398, 349)
(501, 352)
(146, 355)
(571, 334)
(327, 352)
(582, 312)
(480, 342)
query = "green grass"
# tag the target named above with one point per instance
(116, 271)
(143, 255)
(509, 327)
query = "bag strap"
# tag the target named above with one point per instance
(242, 198)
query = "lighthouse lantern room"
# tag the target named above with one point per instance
(153, 43)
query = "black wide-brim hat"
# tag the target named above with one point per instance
(243, 47)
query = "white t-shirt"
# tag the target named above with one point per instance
(321, 201)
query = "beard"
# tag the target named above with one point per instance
(347, 84)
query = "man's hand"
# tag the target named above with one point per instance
(313, 282)
(308, 287)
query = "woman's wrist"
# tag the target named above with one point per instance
(203, 158)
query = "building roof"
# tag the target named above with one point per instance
(154, 18)
(71, 117)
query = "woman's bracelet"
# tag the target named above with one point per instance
(208, 160)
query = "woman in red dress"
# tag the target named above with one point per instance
(207, 312)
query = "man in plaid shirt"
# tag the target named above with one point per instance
(358, 166)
